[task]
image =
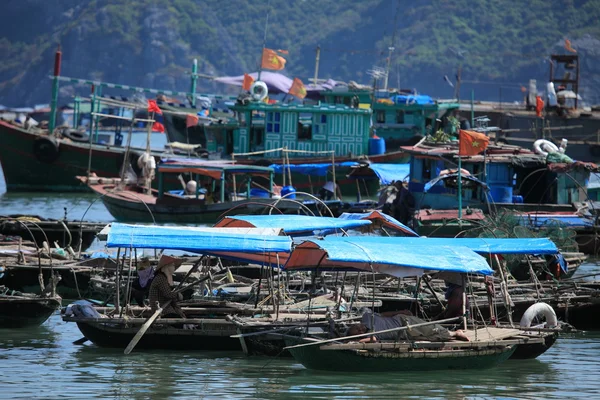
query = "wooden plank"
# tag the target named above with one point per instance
(491, 333)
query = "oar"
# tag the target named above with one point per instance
(81, 340)
(151, 320)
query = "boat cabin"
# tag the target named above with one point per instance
(265, 128)
(399, 117)
(507, 175)
(216, 180)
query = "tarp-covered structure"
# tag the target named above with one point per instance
(380, 219)
(316, 169)
(277, 83)
(387, 173)
(482, 246)
(352, 253)
(217, 242)
(292, 224)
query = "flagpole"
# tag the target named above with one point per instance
(264, 40)
(459, 185)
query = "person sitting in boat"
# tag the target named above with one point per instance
(160, 289)
(454, 295)
(141, 286)
(374, 322)
(329, 191)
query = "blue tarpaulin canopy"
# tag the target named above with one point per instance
(318, 169)
(387, 173)
(538, 221)
(385, 257)
(381, 218)
(479, 245)
(291, 224)
(189, 239)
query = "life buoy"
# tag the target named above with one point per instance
(259, 91)
(76, 136)
(46, 149)
(536, 310)
(543, 147)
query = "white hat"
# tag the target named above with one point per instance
(329, 186)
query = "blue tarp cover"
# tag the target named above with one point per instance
(164, 237)
(479, 245)
(573, 221)
(412, 99)
(387, 173)
(385, 257)
(318, 169)
(391, 222)
(293, 224)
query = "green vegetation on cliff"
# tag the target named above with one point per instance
(152, 42)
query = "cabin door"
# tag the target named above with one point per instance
(228, 141)
(257, 138)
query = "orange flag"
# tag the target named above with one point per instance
(270, 60)
(248, 81)
(568, 46)
(298, 89)
(191, 120)
(471, 143)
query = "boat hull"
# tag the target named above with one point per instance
(533, 350)
(23, 170)
(16, 312)
(160, 337)
(362, 361)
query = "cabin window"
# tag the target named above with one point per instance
(304, 131)
(400, 117)
(320, 124)
(380, 116)
(273, 122)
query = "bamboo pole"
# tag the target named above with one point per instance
(362, 335)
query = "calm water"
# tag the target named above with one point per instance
(43, 363)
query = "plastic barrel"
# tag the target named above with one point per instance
(288, 189)
(501, 194)
(376, 146)
(517, 199)
(254, 192)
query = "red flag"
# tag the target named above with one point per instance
(248, 81)
(471, 143)
(153, 107)
(191, 120)
(298, 89)
(270, 60)
(158, 127)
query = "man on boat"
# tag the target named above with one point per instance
(374, 322)
(161, 294)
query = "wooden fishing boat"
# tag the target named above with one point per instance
(18, 310)
(77, 234)
(400, 357)
(484, 348)
(205, 203)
